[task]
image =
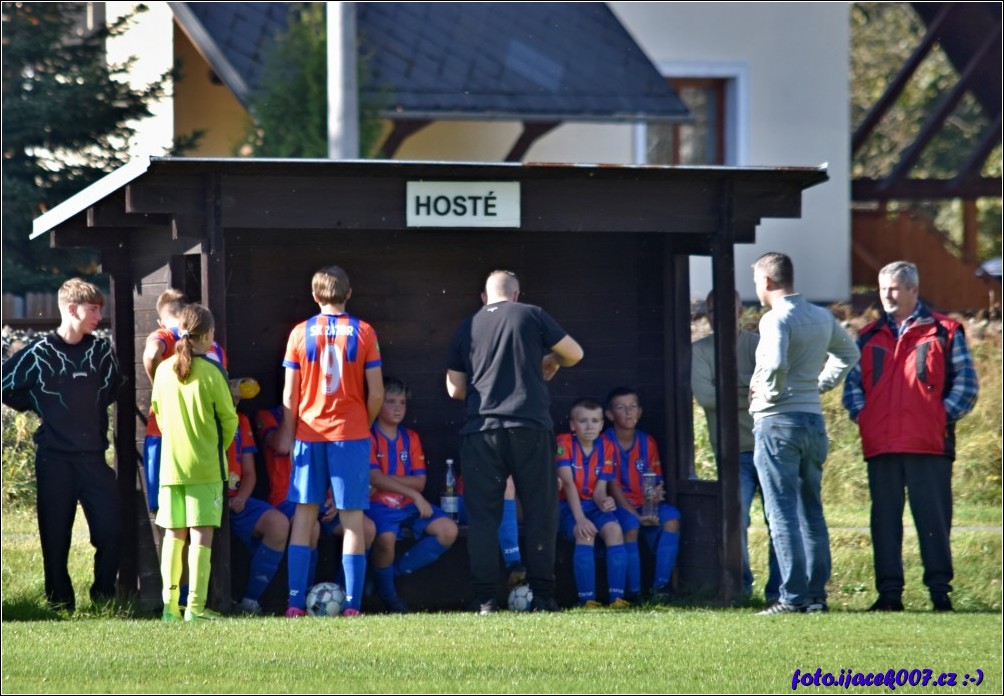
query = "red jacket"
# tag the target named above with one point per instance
(904, 385)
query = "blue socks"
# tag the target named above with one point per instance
(264, 565)
(509, 534)
(633, 568)
(584, 567)
(616, 570)
(665, 557)
(420, 555)
(312, 568)
(298, 564)
(384, 580)
(354, 565)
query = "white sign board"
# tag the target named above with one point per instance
(463, 204)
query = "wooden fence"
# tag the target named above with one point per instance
(38, 310)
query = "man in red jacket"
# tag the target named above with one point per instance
(914, 381)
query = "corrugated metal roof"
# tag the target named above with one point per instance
(526, 61)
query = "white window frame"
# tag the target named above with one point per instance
(736, 126)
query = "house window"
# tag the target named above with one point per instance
(701, 142)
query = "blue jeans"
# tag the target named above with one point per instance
(749, 482)
(790, 449)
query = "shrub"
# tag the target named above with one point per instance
(18, 457)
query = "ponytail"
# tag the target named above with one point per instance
(194, 325)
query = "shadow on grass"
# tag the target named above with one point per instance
(30, 610)
(27, 609)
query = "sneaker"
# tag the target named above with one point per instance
(170, 616)
(517, 574)
(249, 607)
(395, 605)
(544, 603)
(484, 607)
(295, 613)
(941, 601)
(592, 604)
(620, 603)
(663, 595)
(781, 608)
(350, 612)
(204, 615)
(887, 603)
(817, 606)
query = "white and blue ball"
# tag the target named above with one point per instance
(520, 598)
(326, 599)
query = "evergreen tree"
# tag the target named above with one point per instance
(290, 107)
(67, 118)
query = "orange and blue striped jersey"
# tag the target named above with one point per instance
(278, 466)
(243, 444)
(587, 469)
(169, 338)
(632, 463)
(332, 353)
(402, 456)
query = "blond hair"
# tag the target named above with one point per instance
(171, 300)
(79, 291)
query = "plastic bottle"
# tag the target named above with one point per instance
(450, 502)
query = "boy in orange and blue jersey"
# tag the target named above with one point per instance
(333, 392)
(159, 347)
(260, 527)
(398, 477)
(279, 467)
(585, 468)
(638, 454)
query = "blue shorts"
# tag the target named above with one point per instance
(388, 519)
(344, 466)
(566, 521)
(288, 508)
(629, 522)
(242, 523)
(151, 467)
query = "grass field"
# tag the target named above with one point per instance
(642, 650)
(674, 649)
(639, 651)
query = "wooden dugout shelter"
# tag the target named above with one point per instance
(605, 249)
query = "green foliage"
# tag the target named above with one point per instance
(67, 121)
(883, 36)
(290, 109)
(18, 458)
(976, 476)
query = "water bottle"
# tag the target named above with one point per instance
(449, 502)
(650, 506)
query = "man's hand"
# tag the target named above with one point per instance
(550, 367)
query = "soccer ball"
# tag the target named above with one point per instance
(325, 599)
(520, 598)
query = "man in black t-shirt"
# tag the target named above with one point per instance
(498, 362)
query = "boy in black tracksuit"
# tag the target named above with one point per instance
(69, 378)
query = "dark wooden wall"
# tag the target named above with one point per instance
(415, 287)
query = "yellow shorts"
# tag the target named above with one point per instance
(190, 505)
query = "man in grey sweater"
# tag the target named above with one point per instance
(797, 338)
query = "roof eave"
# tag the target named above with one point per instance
(97, 191)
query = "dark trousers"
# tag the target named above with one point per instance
(488, 458)
(928, 480)
(63, 480)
